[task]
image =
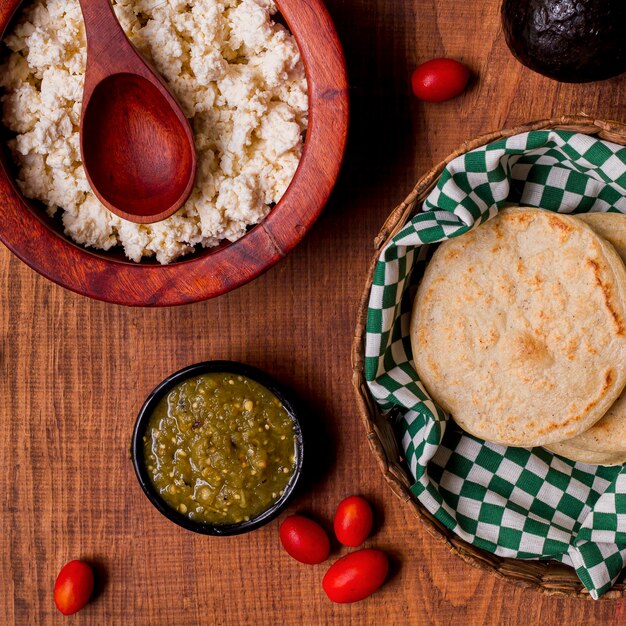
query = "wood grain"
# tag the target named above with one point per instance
(75, 371)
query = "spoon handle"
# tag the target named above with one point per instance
(106, 41)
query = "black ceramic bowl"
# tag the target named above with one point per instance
(230, 367)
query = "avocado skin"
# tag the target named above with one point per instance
(572, 41)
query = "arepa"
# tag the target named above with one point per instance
(590, 457)
(519, 328)
(608, 435)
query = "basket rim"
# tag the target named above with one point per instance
(548, 577)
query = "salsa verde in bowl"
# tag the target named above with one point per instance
(218, 448)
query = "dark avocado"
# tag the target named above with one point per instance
(573, 41)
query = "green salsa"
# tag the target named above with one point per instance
(220, 448)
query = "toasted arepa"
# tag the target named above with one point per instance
(590, 457)
(608, 435)
(519, 328)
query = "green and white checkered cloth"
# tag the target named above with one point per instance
(515, 502)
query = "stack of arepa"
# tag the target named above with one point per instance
(519, 332)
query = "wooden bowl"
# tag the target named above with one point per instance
(549, 577)
(39, 241)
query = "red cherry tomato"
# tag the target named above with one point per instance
(73, 587)
(304, 540)
(353, 521)
(439, 79)
(356, 576)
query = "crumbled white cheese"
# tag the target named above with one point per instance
(238, 77)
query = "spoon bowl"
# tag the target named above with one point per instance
(136, 144)
(140, 171)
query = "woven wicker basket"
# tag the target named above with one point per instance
(551, 578)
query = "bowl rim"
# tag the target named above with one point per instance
(215, 271)
(141, 422)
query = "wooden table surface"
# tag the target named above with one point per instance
(75, 371)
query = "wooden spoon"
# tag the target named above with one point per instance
(136, 143)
